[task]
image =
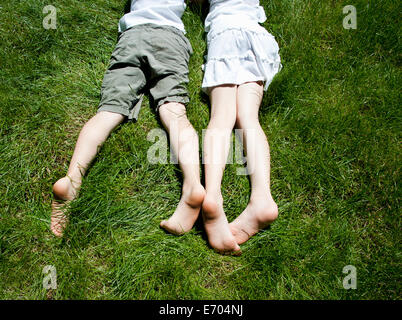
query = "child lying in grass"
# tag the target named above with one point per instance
(152, 52)
(242, 55)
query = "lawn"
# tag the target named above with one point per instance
(332, 117)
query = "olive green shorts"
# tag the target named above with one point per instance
(147, 58)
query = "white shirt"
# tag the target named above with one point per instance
(160, 12)
(234, 14)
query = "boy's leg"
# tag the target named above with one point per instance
(184, 141)
(91, 137)
(216, 148)
(262, 209)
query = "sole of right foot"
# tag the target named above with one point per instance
(187, 211)
(217, 227)
(256, 217)
(64, 192)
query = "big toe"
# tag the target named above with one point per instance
(228, 247)
(165, 225)
(235, 251)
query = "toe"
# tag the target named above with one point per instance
(237, 252)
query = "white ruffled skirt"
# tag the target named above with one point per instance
(238, 55)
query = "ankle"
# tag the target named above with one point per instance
(262, 197)
(75, 178)
(264, 208)
(194, 195)
(211, 204)
(190, 186)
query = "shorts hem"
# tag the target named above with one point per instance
(179, 99)
(115, 109)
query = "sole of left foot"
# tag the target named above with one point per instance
(216, 226)
(64, 192)
(256, 217)
(186, 213)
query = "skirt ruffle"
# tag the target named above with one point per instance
(236, 56)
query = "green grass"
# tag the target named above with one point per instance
(332, 117)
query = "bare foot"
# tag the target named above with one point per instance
(216, 225)
(64, 191)
(186, 212)
(257, 216)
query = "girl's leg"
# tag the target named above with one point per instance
(216, 148)
(262, 209)
(184, 141)
(92, 136)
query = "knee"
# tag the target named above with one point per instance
(107, 118)
(223, 119)
(102, 123)
(172, 111)
(245, 120)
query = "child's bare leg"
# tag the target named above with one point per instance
(92, 136)
(262, 209)
(184, 141)
(216, 148)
